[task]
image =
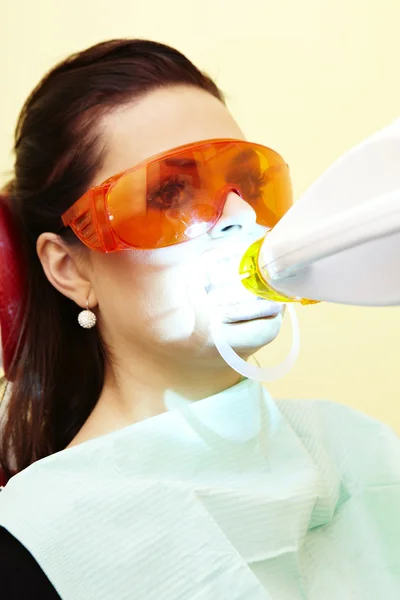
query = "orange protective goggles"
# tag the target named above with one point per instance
(180, 194)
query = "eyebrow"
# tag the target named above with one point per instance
(244, 155)
(191, 163)
(188, 163)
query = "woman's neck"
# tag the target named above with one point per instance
(133, 392)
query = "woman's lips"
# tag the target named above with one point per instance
(251, 310)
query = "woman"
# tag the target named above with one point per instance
(126, 485)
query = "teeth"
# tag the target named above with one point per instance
(225, 289)
(230, 294)
(236, 303)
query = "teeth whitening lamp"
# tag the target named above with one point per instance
(340, 242)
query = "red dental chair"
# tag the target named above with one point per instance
(11, 290)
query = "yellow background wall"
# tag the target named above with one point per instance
(309, 78)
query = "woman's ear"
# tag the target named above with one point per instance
(66, 268)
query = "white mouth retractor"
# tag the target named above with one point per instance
(225, 293)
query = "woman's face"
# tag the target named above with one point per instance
(154, 301)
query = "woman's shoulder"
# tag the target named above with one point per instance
(306, 414)
(20, 575)
(362, 447)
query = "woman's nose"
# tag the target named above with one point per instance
(237, 215)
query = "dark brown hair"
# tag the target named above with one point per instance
(58, 371)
